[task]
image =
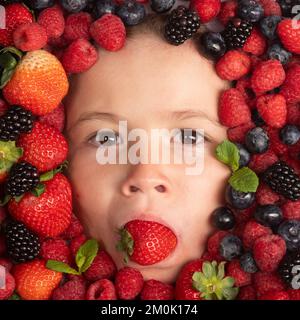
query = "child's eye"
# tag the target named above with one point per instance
(189, 136)
(105, 138)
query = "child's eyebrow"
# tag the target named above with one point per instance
(191, 113)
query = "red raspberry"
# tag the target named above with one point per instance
(253, 231)
(228, 11)
(101, 290)
(265, 195)
(293, 114)
(156, 290)
(102, 267)
(246, 293)
(291, 86)
(275, 143)
(80, 56)
(207, 256)
(76, 243)
(9, 286)
(268, 251)
(237, 134)
(256, 43)
(295, 164)
(213, 244)
(129, 283)
(239, 229)
(267, 282)
(77, 26)
(233, 110)
(244, 215)
(277, 295)
(255, 61)
(71, 290)
(294, 151)
(241, 278)
(6, 263)
(206, 9)
(267, 75)
(271, 7)
(233, 65)
(244, 86)
(291, 210)
(260, 162)
(75, 229)
(288, 31)
(294, 294)
(53, 21)
(59, 43)
(109, 32)
(2, 245)
(55, 249)
(55, 118)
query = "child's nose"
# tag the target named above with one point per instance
(145, 178)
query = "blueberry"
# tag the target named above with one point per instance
(290, 231)
(268, 26)
(74, 6)
(131, 12)
(223, 218)
(244, 155)
(269, 215)
(289, 134)
(213, 44)
(256, 118)
(257, 140)
(230, 247)
(247, 263)
(161, 6)
(102, 7)
(239, 199)
(39, 4)
(250, 10)
(276, 51)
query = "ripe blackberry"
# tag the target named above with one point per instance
(181, 25)
(236, 33)
(283, 180)
(23, 177)
(22, 244)
(16, 120)
(286, 266)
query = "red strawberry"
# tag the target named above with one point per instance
(206, 9)
(228, 11)
(247, 293)
(256, 43)
(50, 213)
(156, 290)
(9, 286)
(44, 147)
(288, 31)
(267, 282)
(253, 231)
(101, 290)
(71, 290)
(277, 295)
(146, 242)
(291, 86)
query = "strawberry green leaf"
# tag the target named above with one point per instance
(47, 176)
(86, 254)
(13, 50)
(228, 153)
(207, 270)
(221, 270)
(18, 198)
(39, 189)
(244, 180)
(230, 293)
(5, 200)
(14, 297)
(61, 267)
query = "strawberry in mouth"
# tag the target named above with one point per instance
(146, 242)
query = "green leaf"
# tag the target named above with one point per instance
(228, 153)
(244, 180)
(61, 267)
(5, 77)
(221, 270)
(38, 190)
(47, 176)
(14, 297)
(18, 198)
(86, 254)
(7, 61)
(13, 50)
(207, 269)
(230, 293)
(5, 200)
(228, 282)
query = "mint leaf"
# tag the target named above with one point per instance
(61, 267)
(244, 180)
(86, 254)
(228, 153)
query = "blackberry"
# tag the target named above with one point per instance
(236, 33)
(286, 266)
(181, 25)
(22, 244)
(23, 177)
(283, 180)
(16, 120)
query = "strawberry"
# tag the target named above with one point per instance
(34, 281)
(277, 295)
(256, 43)
(7, 290)
(288, 31)
(291, 86)
(156, 290)
(146, 242)
(101, 290)
(38, 84)
(206, 9)
(44, 147)
(48, 214)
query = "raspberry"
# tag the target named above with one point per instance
(267, 75)
(260, 162)
(109, 32)
(265, 195)
(233, 65)
(228, 11)
(275, 143)
(291, 210)
(253, 231)
(241, 278)
(237, 134)
(271, 7)
(294, 294)
(55, 118)
(247, 293)
(206, 9)
(267, 282)
(80, 56)
(233, 110)
(102, 267)
(156, 290)
(71, 290)
(76, 243)
(256, 43)
(244, 86)
(101, 290)
(291, 86)
(9, 286)
(292, 163)
(129, 283)
(77, 26)
(6, 263)
(30, 36)
(277, 295)
(75, 229)
(55, 249)
(293, 114)
(53, 21)
(288, 31)
(294, 151)
(268, 251)
(213, 244)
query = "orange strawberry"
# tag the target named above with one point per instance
(44, 147)
(34, 281)
(38, 84)
(50, 213)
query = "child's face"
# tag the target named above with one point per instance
(148, 83)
